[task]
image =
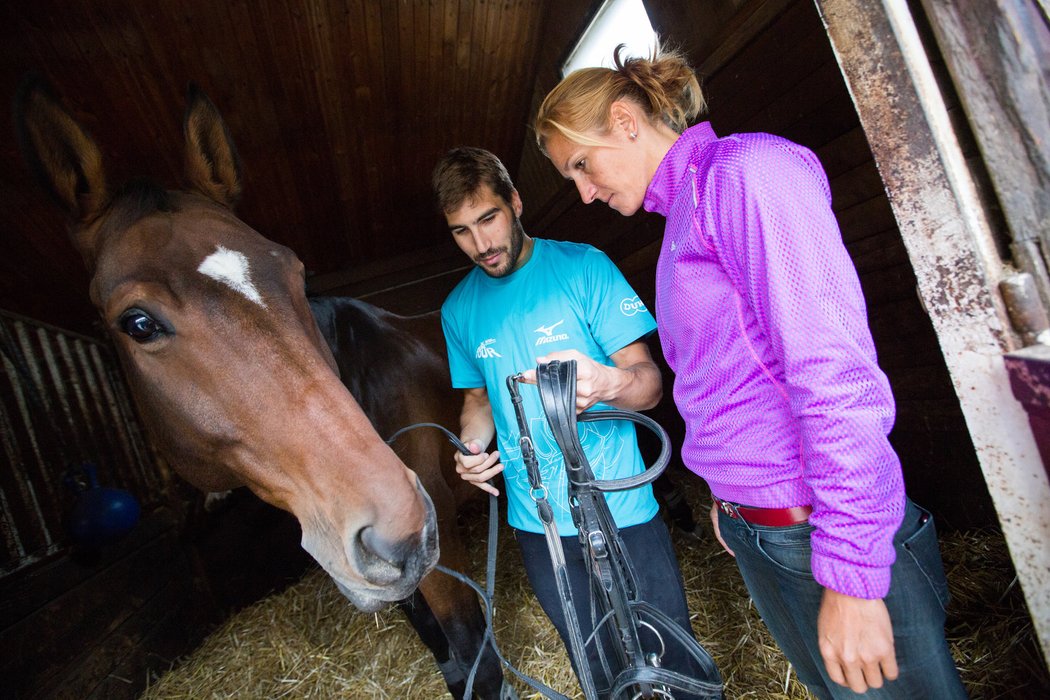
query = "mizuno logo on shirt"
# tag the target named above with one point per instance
(485, 350)
(547, 334)
(632, 306)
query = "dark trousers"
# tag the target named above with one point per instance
(659, 582)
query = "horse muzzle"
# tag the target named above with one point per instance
(388, 571)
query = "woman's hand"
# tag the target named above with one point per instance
(855, 636)
(718, 531)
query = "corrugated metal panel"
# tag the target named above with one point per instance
(62, 402)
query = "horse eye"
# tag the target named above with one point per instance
(140, 326)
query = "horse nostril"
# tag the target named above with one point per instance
(381, 562)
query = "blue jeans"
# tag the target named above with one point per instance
(659, 582)
(775, 564)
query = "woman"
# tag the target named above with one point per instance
(762, 319)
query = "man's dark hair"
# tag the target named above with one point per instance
(461, 173)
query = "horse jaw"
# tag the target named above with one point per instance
(369, 582)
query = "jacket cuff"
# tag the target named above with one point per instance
(851, 579)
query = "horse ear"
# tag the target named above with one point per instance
(64, 158)
(212, 164)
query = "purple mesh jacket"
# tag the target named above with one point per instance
(762, 318)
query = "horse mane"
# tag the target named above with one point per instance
(378, 361)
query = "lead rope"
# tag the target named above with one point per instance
(488, 593)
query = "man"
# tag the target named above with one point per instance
(534, 300)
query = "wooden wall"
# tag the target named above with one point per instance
(86, 625)
(339, 109)
(63, 404)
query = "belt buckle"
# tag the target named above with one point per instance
(727, 508)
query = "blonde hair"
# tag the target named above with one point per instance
(664, 86)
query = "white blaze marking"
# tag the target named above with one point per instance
(231, 268)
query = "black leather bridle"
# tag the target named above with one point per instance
(637, 673)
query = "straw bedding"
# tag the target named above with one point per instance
(308, 642)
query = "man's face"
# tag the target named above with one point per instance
(488, 230)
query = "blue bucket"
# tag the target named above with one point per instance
(101, 515)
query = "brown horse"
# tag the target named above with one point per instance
(237, 386)
(396, 367)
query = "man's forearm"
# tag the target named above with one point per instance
(636, 388)
(475, 420)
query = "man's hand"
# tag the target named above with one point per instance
(479, 467)
(633, 383)
(856, 641)
(592, 379)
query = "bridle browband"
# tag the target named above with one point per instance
(612, 575)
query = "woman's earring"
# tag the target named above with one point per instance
(634, 135)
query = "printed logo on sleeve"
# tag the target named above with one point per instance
(485, 350)
(632, 306)
(547, 334)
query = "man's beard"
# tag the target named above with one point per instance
(517, 242)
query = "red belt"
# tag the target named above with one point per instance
(770, 517)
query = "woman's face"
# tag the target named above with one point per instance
(613, 172)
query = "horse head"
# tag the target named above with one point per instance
(221, 352)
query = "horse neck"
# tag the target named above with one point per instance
(383, 357)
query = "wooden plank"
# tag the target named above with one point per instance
(919, 383)
(888, 284)
(956, 264)
(899, 354)
(945, 458)
(877, 252)
(856, 186)
(116, 666)
(997, 53)
(536, 179)
(391, 272)
(417, 297)
(932, 415)
(57, 415)
(642, 261)
(28, 529)
(836, 116)
(866, 219)
(40, 645)
(717, 29)
(845, 152)
(815, 111)
(905, 317)
(26, 591)
(771, 66)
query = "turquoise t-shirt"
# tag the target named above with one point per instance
(568, 296)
